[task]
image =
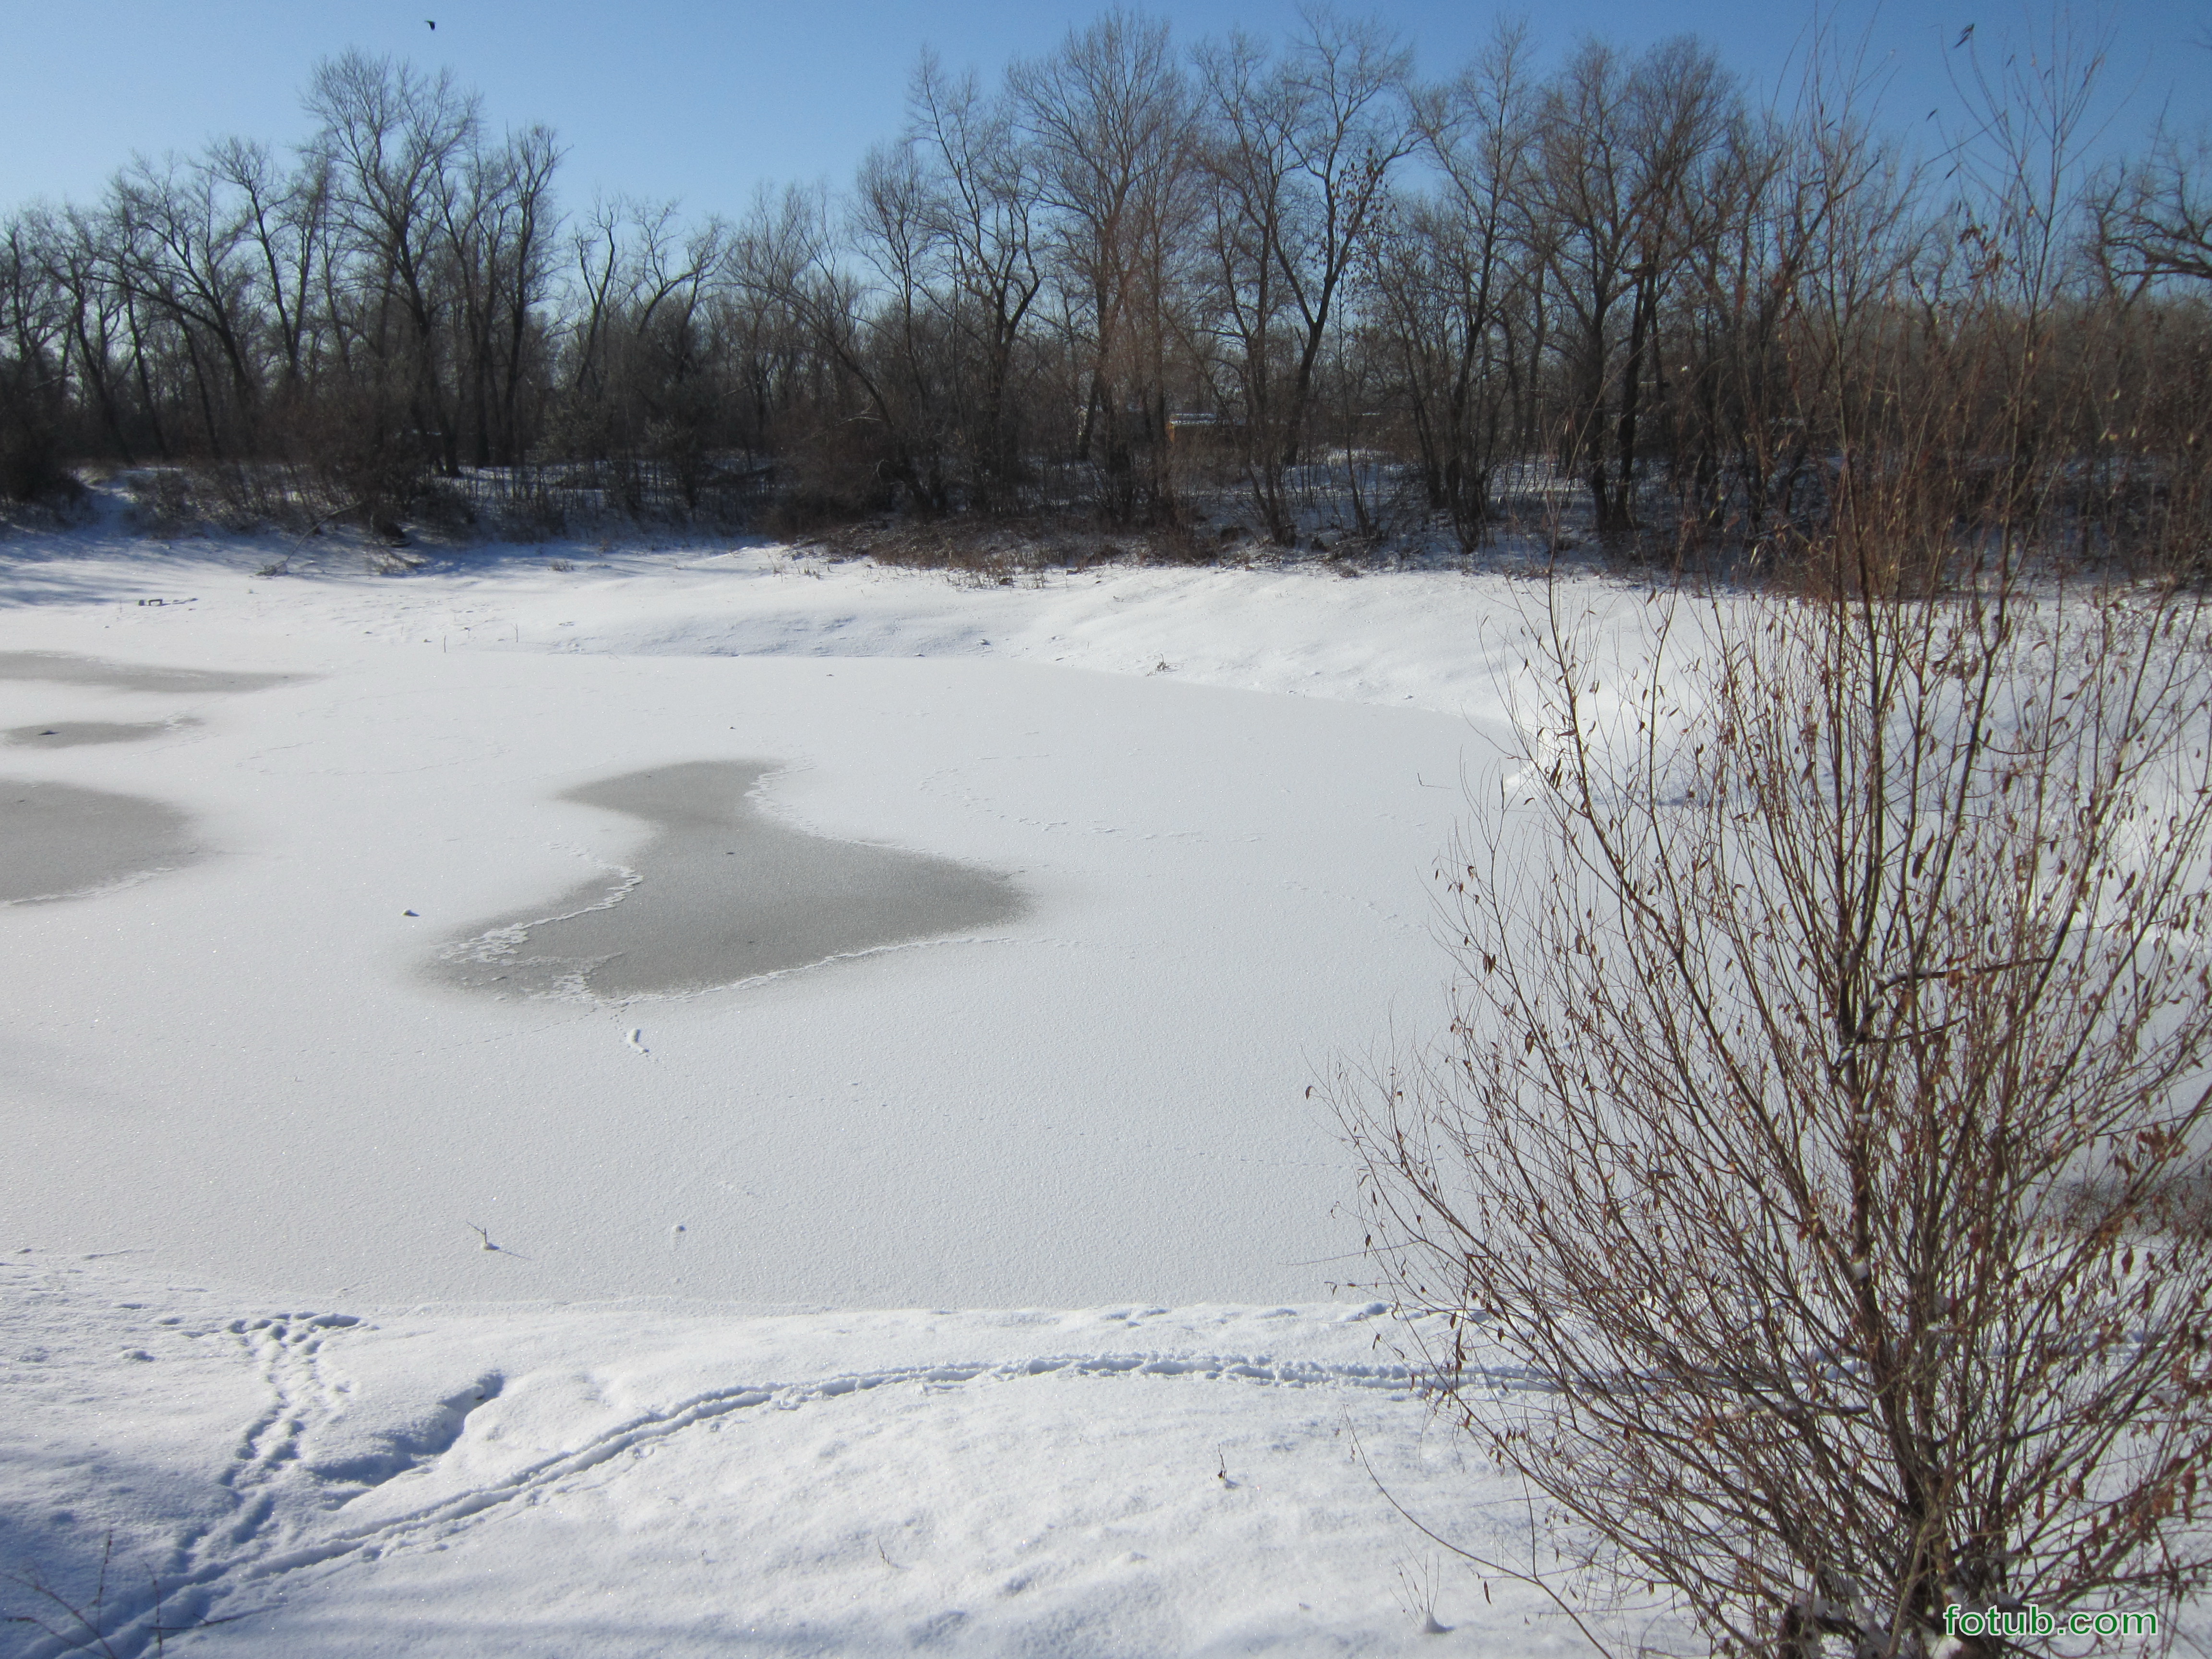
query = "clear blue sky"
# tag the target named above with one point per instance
(705, 101)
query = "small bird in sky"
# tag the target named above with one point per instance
(432, 22)
(1965, 35)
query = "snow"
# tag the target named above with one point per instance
(370, 1313)
(1131, 1480)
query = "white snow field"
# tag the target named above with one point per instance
(354, 1305)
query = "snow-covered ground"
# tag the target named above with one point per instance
(256, 1354)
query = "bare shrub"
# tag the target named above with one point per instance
(1821, 1118)
(162, 500)
(995, 549)
(244, 495)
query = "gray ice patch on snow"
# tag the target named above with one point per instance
(58, 841)
(57, 668)
(76, 734)
(722, 893)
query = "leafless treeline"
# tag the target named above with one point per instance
(1156, 285)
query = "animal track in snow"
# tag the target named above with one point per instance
(293, 1495)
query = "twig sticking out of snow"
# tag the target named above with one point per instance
(499, 1248)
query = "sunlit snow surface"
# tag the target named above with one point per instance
(244, 1075)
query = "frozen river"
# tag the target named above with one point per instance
(790, 979)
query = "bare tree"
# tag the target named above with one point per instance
(1299, 155)
(982, 207)
(177, 243)
(1822, 1120)
(894, 227)
(1589, 199)
(287, 220)
(1111, 116)
(1252, 109)
(71, 248)
(2156, 219)
(496, 228)
(1795, 298)
(785, 259)
(1622, 146)
(2153, 233)
(2019, 260)
(640, 384)
(394, 141)
(1448, 271)
(33, 360)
